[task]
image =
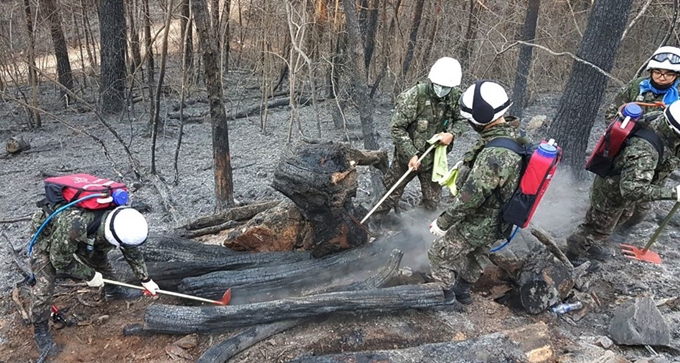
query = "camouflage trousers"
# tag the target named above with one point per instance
(597, 227)
(635, 214)
(452, 256)
(45, 274)
(432, 191)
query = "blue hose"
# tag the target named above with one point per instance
(506, 242)
(47, 221)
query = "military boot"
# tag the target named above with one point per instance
(599, 253)
(43, 338)
(449, 297)
(462, 291)
(112, 293)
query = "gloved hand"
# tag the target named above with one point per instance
(677, 193)
(151, 287)
(97, 280)
(435, 230)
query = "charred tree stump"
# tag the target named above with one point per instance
(322, 180)
(17, 144)
(212, 319)
(239, 342)
(290, 279)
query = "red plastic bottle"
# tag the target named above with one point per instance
(540, 165)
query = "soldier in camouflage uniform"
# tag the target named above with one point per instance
(472, 223)
(640, 178)
(425, 110)
(660, 88)
(76, 242)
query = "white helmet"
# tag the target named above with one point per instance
(484, 102)
(665, 58)
(126, 227)
(672, 114)
(446, 72)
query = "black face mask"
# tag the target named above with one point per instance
(478, 128)
(659, 86)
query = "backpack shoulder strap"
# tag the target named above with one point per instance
(652, 138)
(507, 143)
(422, 94)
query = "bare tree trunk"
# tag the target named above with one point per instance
(519, 90)
(585, 88)
(32, 74)
(224, 187)
(188, 50)
(470, 34)
(225, 36)
(417, 17)
(52, 14)
(360, 87)
(159, 87)
(89, 38)
(370, 30)
(134, 38)
(148, 46)
(113, 50)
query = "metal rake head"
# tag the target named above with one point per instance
(640, 254)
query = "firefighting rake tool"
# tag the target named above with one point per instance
(645, 254)
(224, 301)
(410, 169)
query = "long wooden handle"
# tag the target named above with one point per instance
(410, 169)
(171, 293)
(661, 227)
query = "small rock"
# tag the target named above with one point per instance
(639, 323)
(102, 319)
(604, 342)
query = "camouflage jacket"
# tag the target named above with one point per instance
(65, 239)
(631, 93)
(494, 175)
(418, 115)
(642, 178)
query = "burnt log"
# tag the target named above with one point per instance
(173, 319)
(281, 228)
(170, 259)
(526, 344)
(17, 144)
(321, 180)
(228, 348)
(285, 280)
(535, 271)
(232, 214)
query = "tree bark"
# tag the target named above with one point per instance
(470, 34)
(224, 187)
(585, 87)
(233, 214)
(360, 92)
(53, 16)
(519, 89)
(225, 350)
(526, 344)
(32, 74)
(135, 49)
(413, 37)
(188, 49)
(211, 319)
(288, 279)
(17, 144)
(113, 49)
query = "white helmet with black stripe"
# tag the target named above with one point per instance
(125, 227)
(667, 58)
(672, 114)
(484, 102)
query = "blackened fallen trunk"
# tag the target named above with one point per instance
(321, 181)
(527, 344)
(291, 279)
(225, 350)
(232, 214)
(212, 319)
